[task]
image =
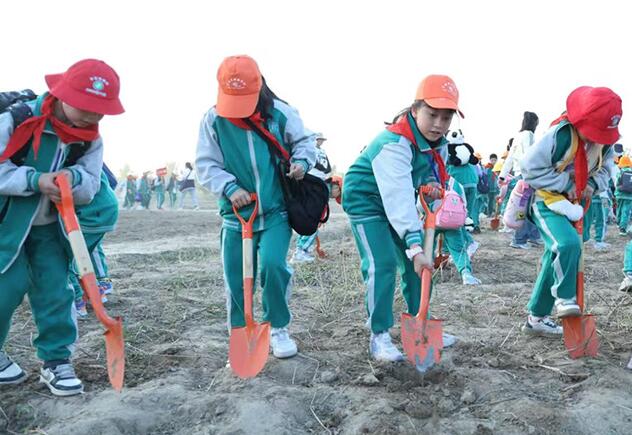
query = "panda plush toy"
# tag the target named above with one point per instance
(460, 153)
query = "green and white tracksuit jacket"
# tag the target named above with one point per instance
(379, 195)
(229, 158)
(34, 255)
(624, 202)
(548, 167)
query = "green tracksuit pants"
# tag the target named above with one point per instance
(624, 210)
(383, 254)
(597, 214)
(627, 259)
(455, 242)
(172, 199)
(41, 272)
(270, 248)
(471, 195)
(130, 199)
(160, 199)
(491, 203)
(93, 242)
(560, 260)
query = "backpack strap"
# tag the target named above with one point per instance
(270, 140)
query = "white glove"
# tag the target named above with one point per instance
(573, 212)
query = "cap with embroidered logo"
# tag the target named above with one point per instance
(239, 82)
(439, 92)
(91, 85)
(595, 113)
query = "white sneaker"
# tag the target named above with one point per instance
(567, 308)
(543, 326)
(626, 284)
(448, 340)
(472, 248)
(61, 380)
(601, 246)
(520, 245)
(10, 372)
(301, 256)
(282, 344)
(469, 279)
(383, 349)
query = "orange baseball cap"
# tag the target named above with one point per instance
(439, 92)
(239, 82)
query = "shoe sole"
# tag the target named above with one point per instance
(575, 312)
(16, 381)
(534, 333)
(285, 355)
(60, 393)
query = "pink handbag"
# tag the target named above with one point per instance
(453, 212)
(516, 211)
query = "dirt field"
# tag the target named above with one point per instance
(169, 289)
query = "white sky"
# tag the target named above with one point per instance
(347, 66)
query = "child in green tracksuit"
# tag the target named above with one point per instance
(233, 162)
(172, 187)
(379, 195)
(130, 192)
(60, 136)
(96, 219)
(159, 187)
(457, 242)
(623, 194)
(462, 166)
(493, 186)
(597, 213)
(144, 188)
(570, 163)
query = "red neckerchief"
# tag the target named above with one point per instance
(257, 119)
(581, 162)
(403, 128)
(34, 126)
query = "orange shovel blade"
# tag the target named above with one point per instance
(115, 351)
(422, 343)
(248, 349)
(495, 223)
(580, 336)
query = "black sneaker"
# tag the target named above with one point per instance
(10, 372)
(61, 379)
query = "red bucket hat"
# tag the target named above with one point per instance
(90, 85)
(595, 113)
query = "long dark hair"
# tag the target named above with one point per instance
(529, 122)
(266, 100)
(415, 106)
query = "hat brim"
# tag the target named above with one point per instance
(599, 136)
(236, 106)
(81, 100)
(443, 103)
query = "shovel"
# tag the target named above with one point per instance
(321, 253)
(249, 345)
(114, 344)
(422, 338)
(580, 333)
(441, 258)
(495, 222)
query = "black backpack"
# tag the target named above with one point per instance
(625, 182)
(483, 183)
(307, 200)
(14, 102)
